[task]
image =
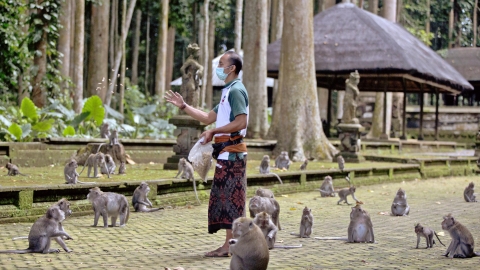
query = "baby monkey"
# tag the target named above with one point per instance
(427, 233)
(265, 167)
(140, 200)
(13, 170)
(344, 192)
(186, 169)
(468, 193)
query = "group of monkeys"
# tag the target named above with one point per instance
(105, 204)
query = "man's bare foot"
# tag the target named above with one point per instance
(219, 252)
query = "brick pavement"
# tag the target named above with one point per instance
(177, 236)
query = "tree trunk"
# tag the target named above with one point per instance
(170, 56)
(205, 63)
(211, 52)
(475, 7)
(39, 95)
(238, 25)
(147, 56)
(78, 57)
(302, 130)
(400, 10)
(330, 3)
(65, 37)
(255, 66)
(450, 24)
(162, 51)
(124, 60)
(373, 6)
(321, 5)
(118, 54)
(136, 46)
(276, 33)
(97, 78)
(112, 39)
(378, 120)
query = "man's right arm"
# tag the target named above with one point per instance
(206, 118)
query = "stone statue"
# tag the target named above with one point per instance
(192, 71)
(351, 98)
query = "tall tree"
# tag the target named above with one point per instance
(124, 59)
(78, 57)
(329, 3)
(136, 46)
(162, 51)
(373, 6)
(451, 24)
(147, 56)
(204, 49)
(255, 65)
(238, 25)
(39, 95)
(475, 10)
(97, 77)
(302, 129)
(211, 52)
(170, 56)
(65, 37)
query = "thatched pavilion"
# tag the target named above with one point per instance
(388, 58)
(466, 60)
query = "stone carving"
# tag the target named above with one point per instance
(349, 142)
(350, 100)
(191, 71)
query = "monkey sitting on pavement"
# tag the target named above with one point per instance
(306, 224)
(13, 170)
(400, 206)
(265, 167)
(107, 204)
(282, 162)
(249, 248)
(360, 229)
(462, 240)
(186, 169)
(468, 193)
(95, 160)
(269, 205)
(71, 175)
(45, 228)
(140, 200)
(269, 230)
(326, 189)
(427, 233)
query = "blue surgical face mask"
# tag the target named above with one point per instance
(221, 73)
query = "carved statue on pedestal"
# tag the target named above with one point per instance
(351, 99)
(191, 71)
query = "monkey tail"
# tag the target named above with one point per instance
(438, 238)
(279, 179)
(128, 214)
(99, 146)
(17, 251)
(288, 247)
(82, 168)
(20, 237)
(195, 189)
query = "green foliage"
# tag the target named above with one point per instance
(16, 131)
(69, 131)
(29, 109)
(94, 107)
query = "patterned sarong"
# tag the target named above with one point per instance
(228, 194)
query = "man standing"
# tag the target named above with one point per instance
(228, 193)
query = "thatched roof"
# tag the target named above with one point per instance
(348, 38)
(466, 61)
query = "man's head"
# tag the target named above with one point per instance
(231, 64)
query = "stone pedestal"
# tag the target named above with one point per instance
(188, 132)
(350, 144)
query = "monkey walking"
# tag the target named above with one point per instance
(269, 205)
(140, 200)
(427, 233)
(186, 169)
(462, 240)
(265, 167)
(249, 248)
(282, 161)
(468, 193)
(344, 192)
(107, 204)
(71, 175)
(13, 170)
(95, 160)
(269, 230)
(400, 206)
(45, 228)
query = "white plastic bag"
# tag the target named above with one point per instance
(201, 158)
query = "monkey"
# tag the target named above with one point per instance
(400, 206)
(95, 160)
(344, 192)
(186, 169)
(265, 167)
(263, 192)
(326, 189)
(462, 240)
(269, 230)
(118, 153)
(306, 223)
(109, 165)
(427, 233)
(122, 169)
(341, 163)
(45, 228)
(71, 175)
(282, 161)
(105, 131)
(360, 229)
(13, 170)
(468, 193)
(303, 167)
(269, 205)
(249, 248)
(108, 204)
(140, 200)
(113, 138)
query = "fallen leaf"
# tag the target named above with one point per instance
(441, 233)
(286, 196)
(299, 203)
(370, 190)
(151, 163)
(438, 203)
(280, 241)
(293, 208)
(384, 213)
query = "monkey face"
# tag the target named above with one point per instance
(471, 185)
(55, 213)
(73, 164)
(64, 205)
(241, 226)
(401, 193)
(94, 193)
(448, 221)
(254, 202)
(144, 186)
(418, 228)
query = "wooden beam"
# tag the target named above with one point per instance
(420, 134)
(404, 112)
(436, 114)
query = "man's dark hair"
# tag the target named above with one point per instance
(235, 60)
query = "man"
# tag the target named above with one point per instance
(228, 193)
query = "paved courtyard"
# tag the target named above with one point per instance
(177, 236)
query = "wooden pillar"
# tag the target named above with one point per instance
(420, 134)
(384, 135)
(329, 112)
(437, 97)
(404, 112)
